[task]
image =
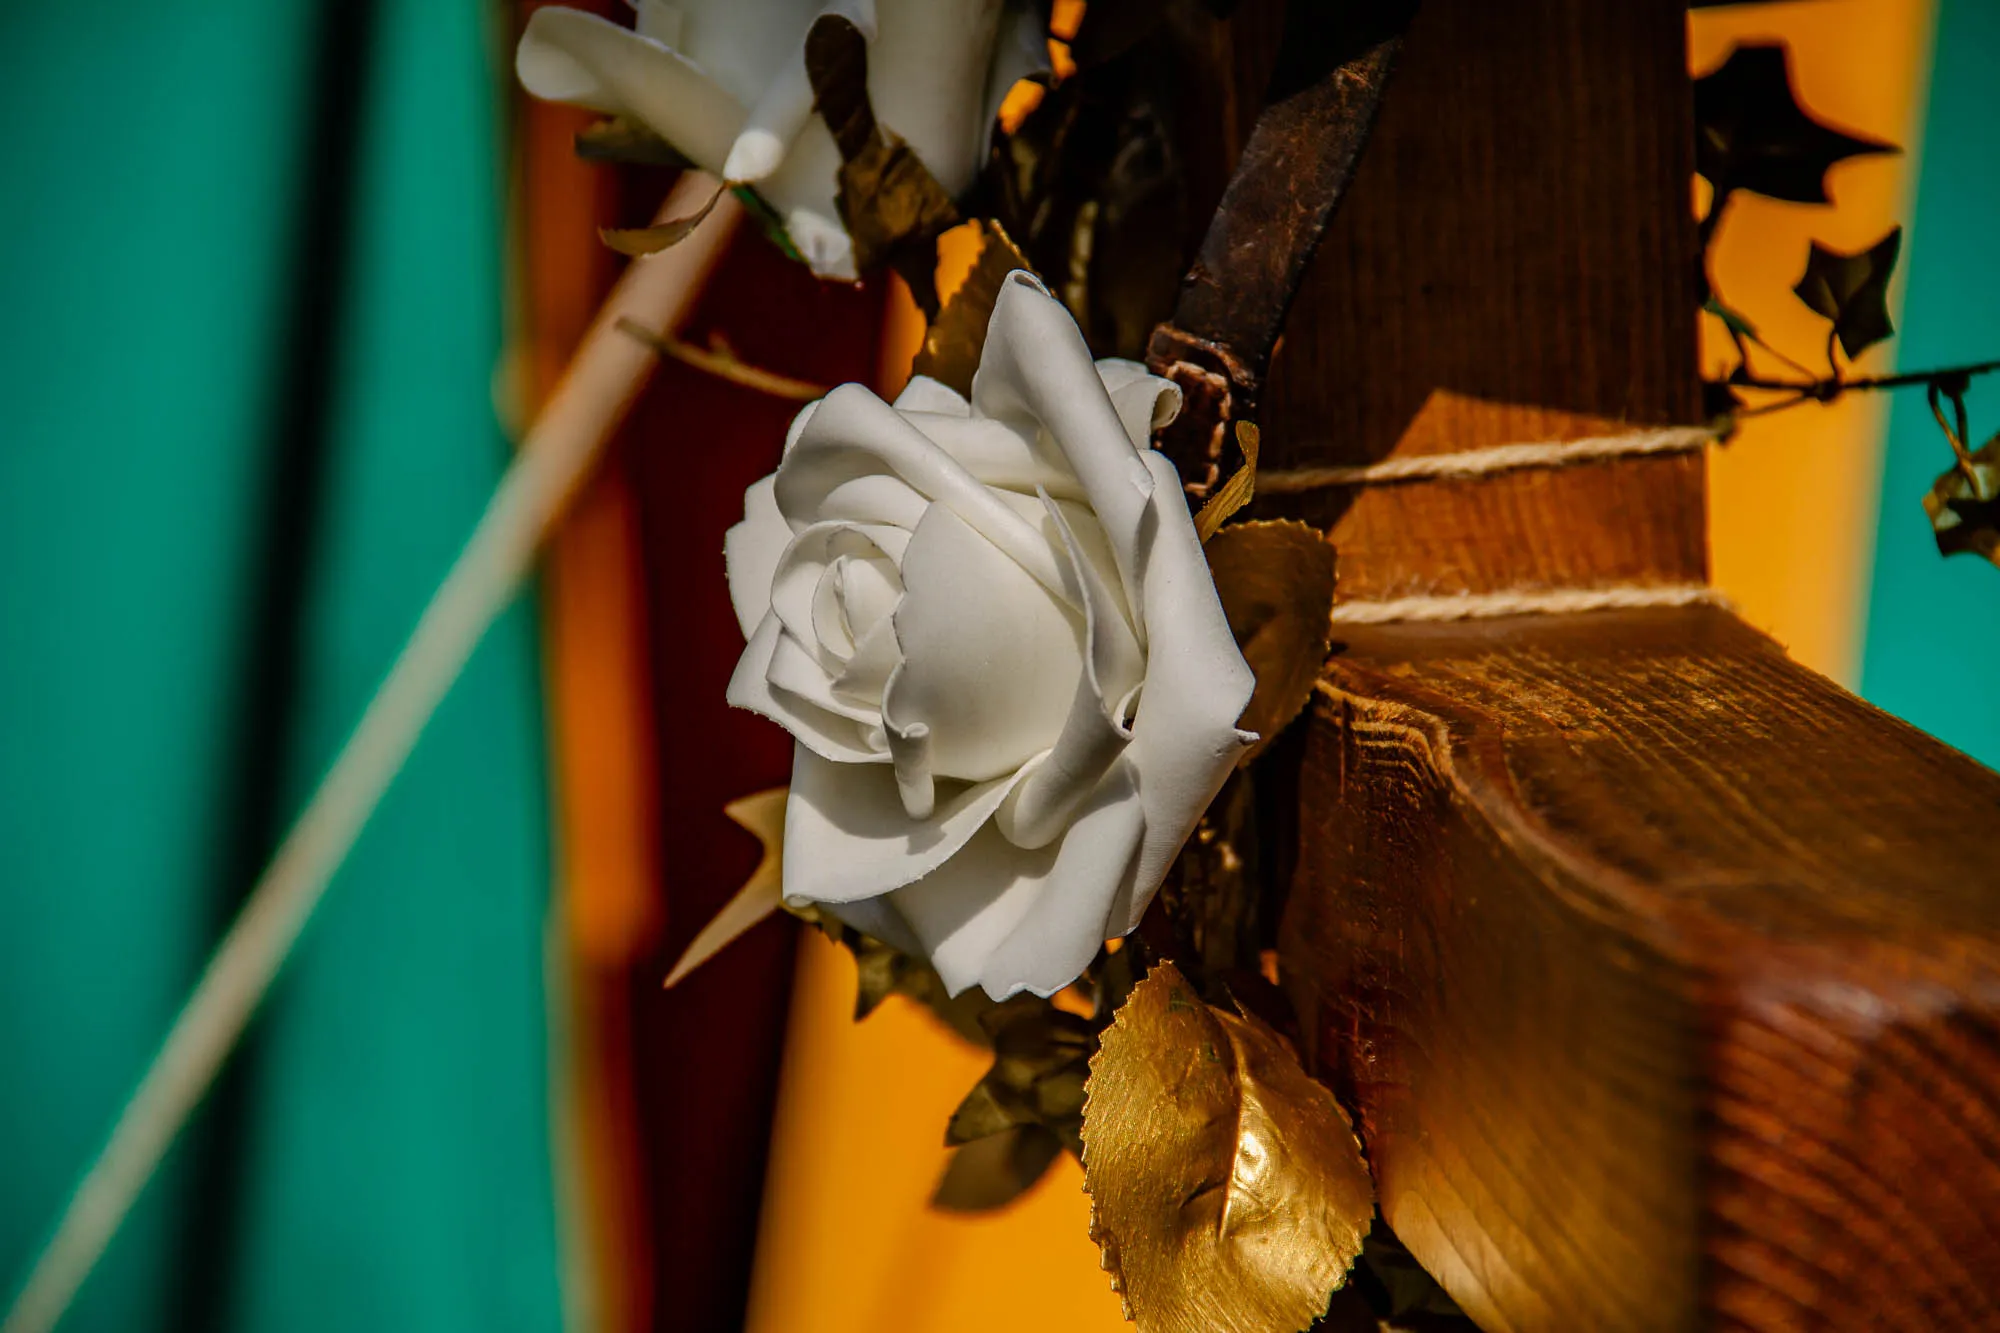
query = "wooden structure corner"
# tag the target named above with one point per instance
(1663, 974)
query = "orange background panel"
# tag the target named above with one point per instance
(848, 1242)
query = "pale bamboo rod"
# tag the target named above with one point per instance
(602, 380)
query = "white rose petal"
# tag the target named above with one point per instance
(724, 82)
(990, 627)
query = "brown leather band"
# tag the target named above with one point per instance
(1297, 165)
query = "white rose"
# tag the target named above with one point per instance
(991, 629)
(724, 82)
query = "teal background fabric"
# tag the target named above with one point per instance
(1933, 629)
(142, 271)
(379, 1158)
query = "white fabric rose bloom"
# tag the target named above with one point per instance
(991, 629)
(724, 82)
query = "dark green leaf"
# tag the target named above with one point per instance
(1718, 399)
(1112, 27)
(1212, 902)
(893, 208)
(883, 970)
(1041, 1057)
(1405, 1287)
(1750, 133)
(1092, 187)
(1964, 505)
(1853, 291)
(1734, 320)
(618, 140)
(837, 67)
(992, 1172)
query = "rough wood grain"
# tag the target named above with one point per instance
(1664, 976)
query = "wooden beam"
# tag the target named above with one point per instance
(1514, 261)
(1664, 975)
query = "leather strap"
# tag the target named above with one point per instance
(1300, 159)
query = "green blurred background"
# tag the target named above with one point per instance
(251, 256)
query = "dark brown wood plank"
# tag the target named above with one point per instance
(1513, 262)
(1664, 975)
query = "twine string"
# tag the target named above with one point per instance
(1474, 464)
(1525, 602)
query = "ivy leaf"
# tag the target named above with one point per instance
(1964, 505)
(1734, 320)
(893, 208)
(1041, 1057)
(1213, 899)
(1750, 133)
(1719, 399)
(1853, 291)
(992, 1172)
(1092, 185)
(1276, 581)
(1227, 1188)
(882, 970)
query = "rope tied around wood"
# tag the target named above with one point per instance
(1525, 602)
(1477, 464)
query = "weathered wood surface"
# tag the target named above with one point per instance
(1663, 974)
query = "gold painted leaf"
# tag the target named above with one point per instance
(763, 814)
(639, 241)
(1228, 1192)
(957, 336)
(1237, 491)
(1276, 582)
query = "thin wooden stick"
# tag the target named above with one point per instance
(603, 378)
(721, 361)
